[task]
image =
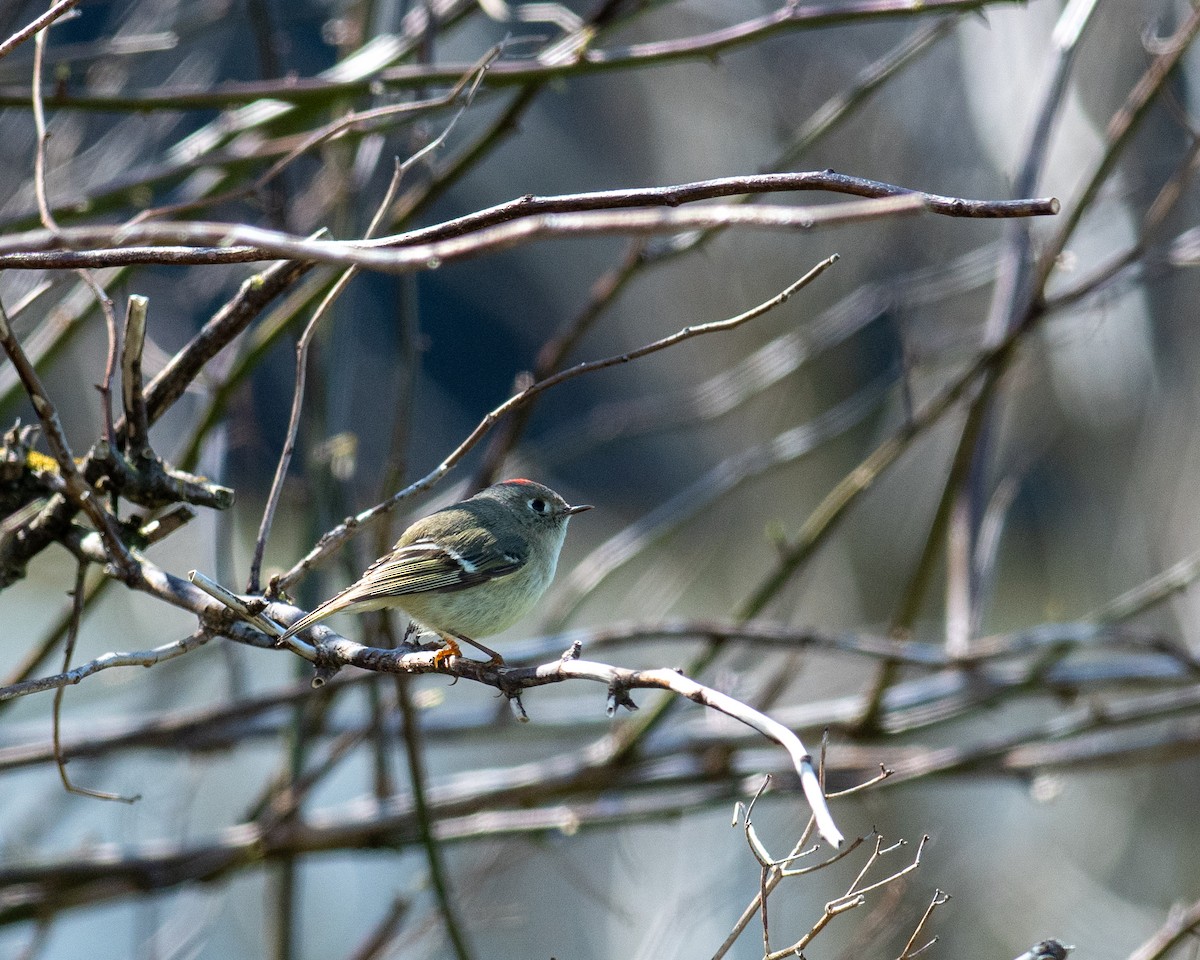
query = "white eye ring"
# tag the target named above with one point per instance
(538, 505)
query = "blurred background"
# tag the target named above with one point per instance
(986, 619)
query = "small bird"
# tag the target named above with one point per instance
(467, 571)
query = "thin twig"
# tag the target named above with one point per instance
(107, 661)
(937, 900)
(335, 537)
(48, 221)
(72, 635)
(855, 896)
(56, 11)
(378, 940)
(39, 122)
(110, 359)
(302, 346)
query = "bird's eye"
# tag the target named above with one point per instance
(538, 506)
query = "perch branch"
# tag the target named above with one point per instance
(334, 652)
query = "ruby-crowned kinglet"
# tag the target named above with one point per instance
(469, 570)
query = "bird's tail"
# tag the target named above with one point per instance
(327, 609)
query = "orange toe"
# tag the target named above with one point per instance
(451, 649)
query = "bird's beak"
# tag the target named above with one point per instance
(571, 511)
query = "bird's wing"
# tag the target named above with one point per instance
(424, 566)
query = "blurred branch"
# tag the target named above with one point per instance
(1162, 586)
(693, 500)
(1118, 134)
(297, 91)
(1167, 200)
(1181, 923)
(378, 940)
(414, 751)
(465, 89)
(97, 876)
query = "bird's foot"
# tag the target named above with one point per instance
(451, 649)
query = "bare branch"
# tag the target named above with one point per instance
(39, 122)
(133, 396)
(908, 952)
(141, 658)
(523, 220)
(56, 11)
